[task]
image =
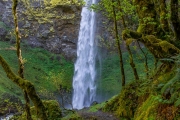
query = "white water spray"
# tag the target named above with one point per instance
(85, 73)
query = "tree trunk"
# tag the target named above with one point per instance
(175, 19)
(21, 66)
(25, 85)
(133, 66)
(163, 16)
(119, 47)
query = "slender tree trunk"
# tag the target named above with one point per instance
(146, 60)
(28, 86)
(122, 17)
(21, 66)
(119, 47)
(133, 66)
(163, 17)
(175, 19)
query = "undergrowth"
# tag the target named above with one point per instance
(42, 68)
(153, 98)
(109, 83)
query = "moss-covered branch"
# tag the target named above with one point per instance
(21, 66)
(18, 51)
(159, 48)
(147, 16)
(25, 85)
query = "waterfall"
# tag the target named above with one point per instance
(85, 73)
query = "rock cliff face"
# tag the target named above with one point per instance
(54, 28)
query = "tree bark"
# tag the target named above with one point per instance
(133, 66)
(119, 47)
(175, 19)
(163, 17)
(159, 48)
(28, 86)
(21, 65)
(147, 17)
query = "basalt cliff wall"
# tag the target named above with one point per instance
(54, 28)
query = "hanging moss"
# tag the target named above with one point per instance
(159, 48)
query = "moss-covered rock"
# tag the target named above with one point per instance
(156, 98)
(147, 111)
(72, 116)
(125, 104)
(53, 111)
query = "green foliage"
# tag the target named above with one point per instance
(122, 8)
(125, 104)
(64, 2)
(111, 104)
(52, 110)
(2, 25)
(72, 116)
(148, 99)
(147, 111)
(110, 75)
(49, 7)
(96, 107)
(40, 69)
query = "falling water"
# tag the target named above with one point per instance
(85, 73)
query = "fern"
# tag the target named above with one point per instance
(176, 78)
(171, 82)
(177, 103)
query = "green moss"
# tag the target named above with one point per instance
(148, 110)
(96, 107)
(111, 74)
(124, 105)
(52, 110)
(72, 116)
(111, 105)
(41, 69)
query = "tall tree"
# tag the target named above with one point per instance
(21, 66)
(118, 45)
(133, 66)
(22, 83)
(151, 34)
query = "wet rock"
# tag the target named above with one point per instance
(94, 103)
(27, 25)
(57, 33)
(3, 33)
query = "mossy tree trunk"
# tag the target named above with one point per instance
(148, 23)
(118, 45)
(21, 65)
(163, 16)
(27, 87)
(175, 19)
(150, 33)
(131, 60)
